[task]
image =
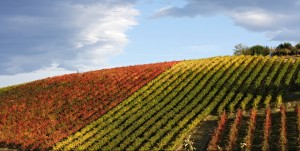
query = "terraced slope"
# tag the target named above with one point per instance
(159, 115)
(39, 114)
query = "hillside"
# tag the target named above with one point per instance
(41, 113)
(150, 107)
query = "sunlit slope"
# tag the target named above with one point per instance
(36, 115)
(160, 114)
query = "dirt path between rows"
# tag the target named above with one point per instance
(200, 136)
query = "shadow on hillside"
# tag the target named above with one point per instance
(293, 96)
(9, 147)
(201, 135)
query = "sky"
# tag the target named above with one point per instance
(40, 39)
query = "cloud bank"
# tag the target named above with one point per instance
(73, 34)
(277, 19)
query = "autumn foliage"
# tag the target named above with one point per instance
(39, 114)
(213, 144)
(127, 109)
(234, 130)
(267, 130)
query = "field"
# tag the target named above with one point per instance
(41, 113)
(157, 106)
(276, 129)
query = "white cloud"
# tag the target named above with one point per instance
(254, 19)
(272, 17)
(103, 36)
(74, 34)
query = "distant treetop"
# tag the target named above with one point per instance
(282, 49)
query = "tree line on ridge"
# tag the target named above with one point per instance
(283, 49)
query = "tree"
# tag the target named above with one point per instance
(241, 49)
(284, 48)
(297, 48)
(259, 50)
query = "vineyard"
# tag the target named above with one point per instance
(268, 130)
(155, 107)
(41, 113)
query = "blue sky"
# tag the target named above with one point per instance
(45, 38)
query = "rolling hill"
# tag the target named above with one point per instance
(150, 107)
